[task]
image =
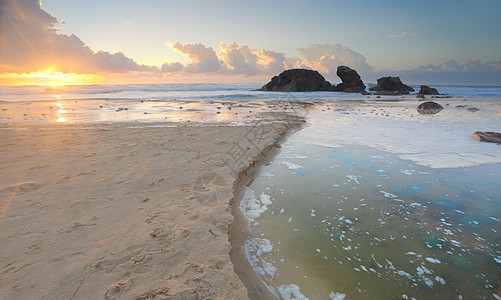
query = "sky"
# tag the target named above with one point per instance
(249, 41)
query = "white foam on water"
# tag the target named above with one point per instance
(354, 178)
(291, 291)
(252, 207)
(408, 172)
(337, 296)
(255, 251)
(403, 273)
(433, 260)
(440, 280)
(292, 166)
(388, 195)
(427, 281)
(438, 141)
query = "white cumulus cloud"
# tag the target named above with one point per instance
(326, 58)
(241, 60)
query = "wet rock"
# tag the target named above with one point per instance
(429, 108)
(351, 81)
(472, 109)
(297, 80)
(391, 85)
(489, 136)
(426, 90)
(420, 96)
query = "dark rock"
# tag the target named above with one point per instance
(429, 108)
(391, 84)
(420, 96)
(426, 90)
(297, 80)
(492, 137)
(472, 109)
(351, 81)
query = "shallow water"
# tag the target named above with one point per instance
(360, 223)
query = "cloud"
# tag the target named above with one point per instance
(473, 65)
(203, 59)
(30, 43)
(241, 60)
(400, 35)
(327, 57)
(231, 60)
(473, 72)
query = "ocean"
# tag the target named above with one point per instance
(198, 91)
(370, 200)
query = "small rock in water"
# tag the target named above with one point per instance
(426, 90)
(482, 136)
(472, 109)
(429, 108)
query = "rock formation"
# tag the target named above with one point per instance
(429, 108)
(351, 81)
(391, 85)
(297, 80)
(492, 137)
(426, 90)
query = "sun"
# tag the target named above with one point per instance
(49, 77)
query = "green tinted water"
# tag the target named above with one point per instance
(358, 223)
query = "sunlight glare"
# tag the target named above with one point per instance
(50, 77)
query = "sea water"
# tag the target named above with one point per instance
(27, 105)
(372, 200)
(360, 223)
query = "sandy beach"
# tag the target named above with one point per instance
(123, 211)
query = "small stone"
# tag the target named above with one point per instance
(429, 108)
(490, 136)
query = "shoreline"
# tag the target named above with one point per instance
(112, 210)
(240, 228)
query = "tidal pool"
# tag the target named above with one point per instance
(359, 223)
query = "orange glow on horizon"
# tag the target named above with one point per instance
(49, 77)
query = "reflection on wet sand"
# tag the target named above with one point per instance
(127, 110)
